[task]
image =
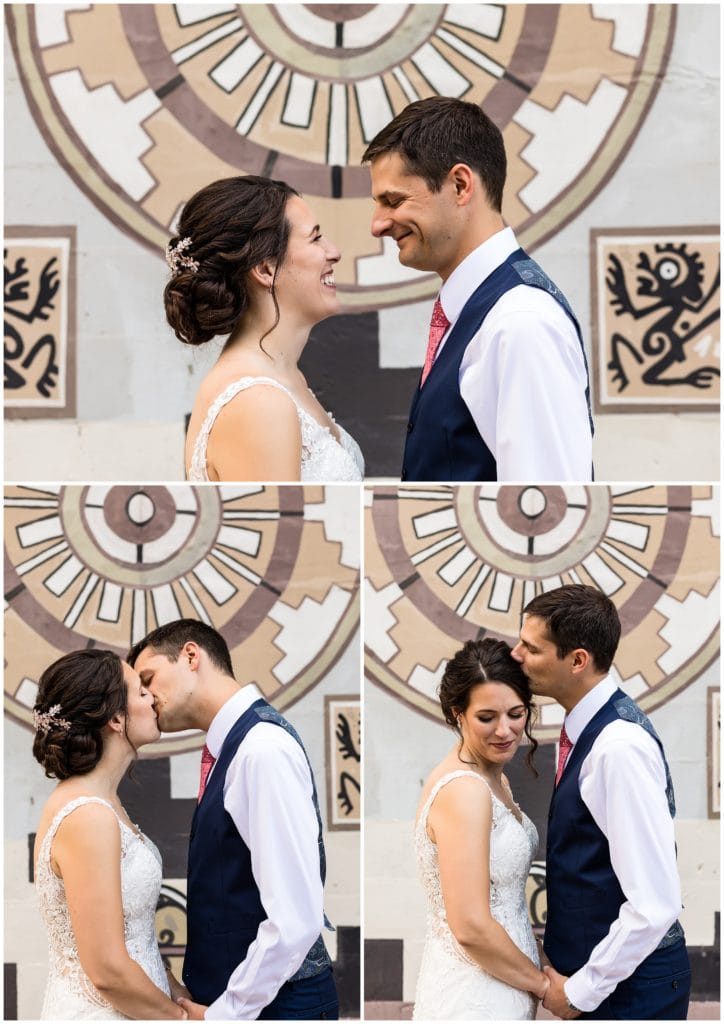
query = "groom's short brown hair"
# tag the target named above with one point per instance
(170, 639)
(434, 134)
(579, 616)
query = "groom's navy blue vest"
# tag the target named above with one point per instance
(583, 893)
(443, 442)
(224, 908)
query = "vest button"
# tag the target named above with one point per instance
(409, 428)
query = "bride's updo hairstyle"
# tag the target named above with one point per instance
(77, 696)
(485, 661)
(225, 230)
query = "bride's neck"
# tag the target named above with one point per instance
(280, 349)
(104, 779)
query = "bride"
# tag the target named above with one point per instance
(250, 261)
(97, 876)
(474, 848)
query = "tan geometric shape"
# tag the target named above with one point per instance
(101, 65)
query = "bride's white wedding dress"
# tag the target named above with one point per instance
(451, 986)
(324, 458)
(70, 994)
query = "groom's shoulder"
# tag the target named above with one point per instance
(269, 740)
(624, 740)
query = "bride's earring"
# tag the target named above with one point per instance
(460, 722)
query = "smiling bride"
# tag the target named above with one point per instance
(250, 261)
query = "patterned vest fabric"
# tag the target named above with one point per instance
(224, 907)
(583, 893)
(443, 442)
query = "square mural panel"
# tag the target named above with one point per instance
(656, 319)
(343, 746)
(39, 306)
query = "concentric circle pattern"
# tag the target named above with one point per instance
(144, 104)
(447, 564)
(275, 570)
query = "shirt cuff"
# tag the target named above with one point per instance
(580, 994)
(223, 1009)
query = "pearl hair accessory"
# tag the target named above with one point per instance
(175, 256)
(44, 721)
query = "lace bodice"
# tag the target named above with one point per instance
(70, 994)
(324, 458)
(451, 985)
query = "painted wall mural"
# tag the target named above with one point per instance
(446, 564)
(180, 94)
(275, 570)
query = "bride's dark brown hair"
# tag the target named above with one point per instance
(234, 224)
(485, 661)
(90, 689)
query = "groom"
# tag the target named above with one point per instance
(612, 932)
(503, 393)
(256, 863)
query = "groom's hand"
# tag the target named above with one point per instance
(555, 998)
(195, 1010)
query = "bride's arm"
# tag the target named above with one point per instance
(460, 820)
(87, 854)
(256, 436)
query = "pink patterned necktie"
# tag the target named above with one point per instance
(207, 762)
(439, 323)
(564, 749)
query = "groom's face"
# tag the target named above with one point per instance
(420, 221)
(170, 683)
(539, 659)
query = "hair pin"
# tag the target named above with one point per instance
(176, 258)
(44, 721)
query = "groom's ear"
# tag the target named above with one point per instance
(462, 179)
(191, 653)
(580, 659)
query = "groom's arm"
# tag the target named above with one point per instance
(623, 784)
(268, 793)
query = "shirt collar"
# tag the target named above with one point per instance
(577, 719)
(228, 714)
(473, 270)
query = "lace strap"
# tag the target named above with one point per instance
(443, 781)
(198, 459)
(69, 808)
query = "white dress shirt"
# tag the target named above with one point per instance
(523, 375)
(622, 782)
(268, 793)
